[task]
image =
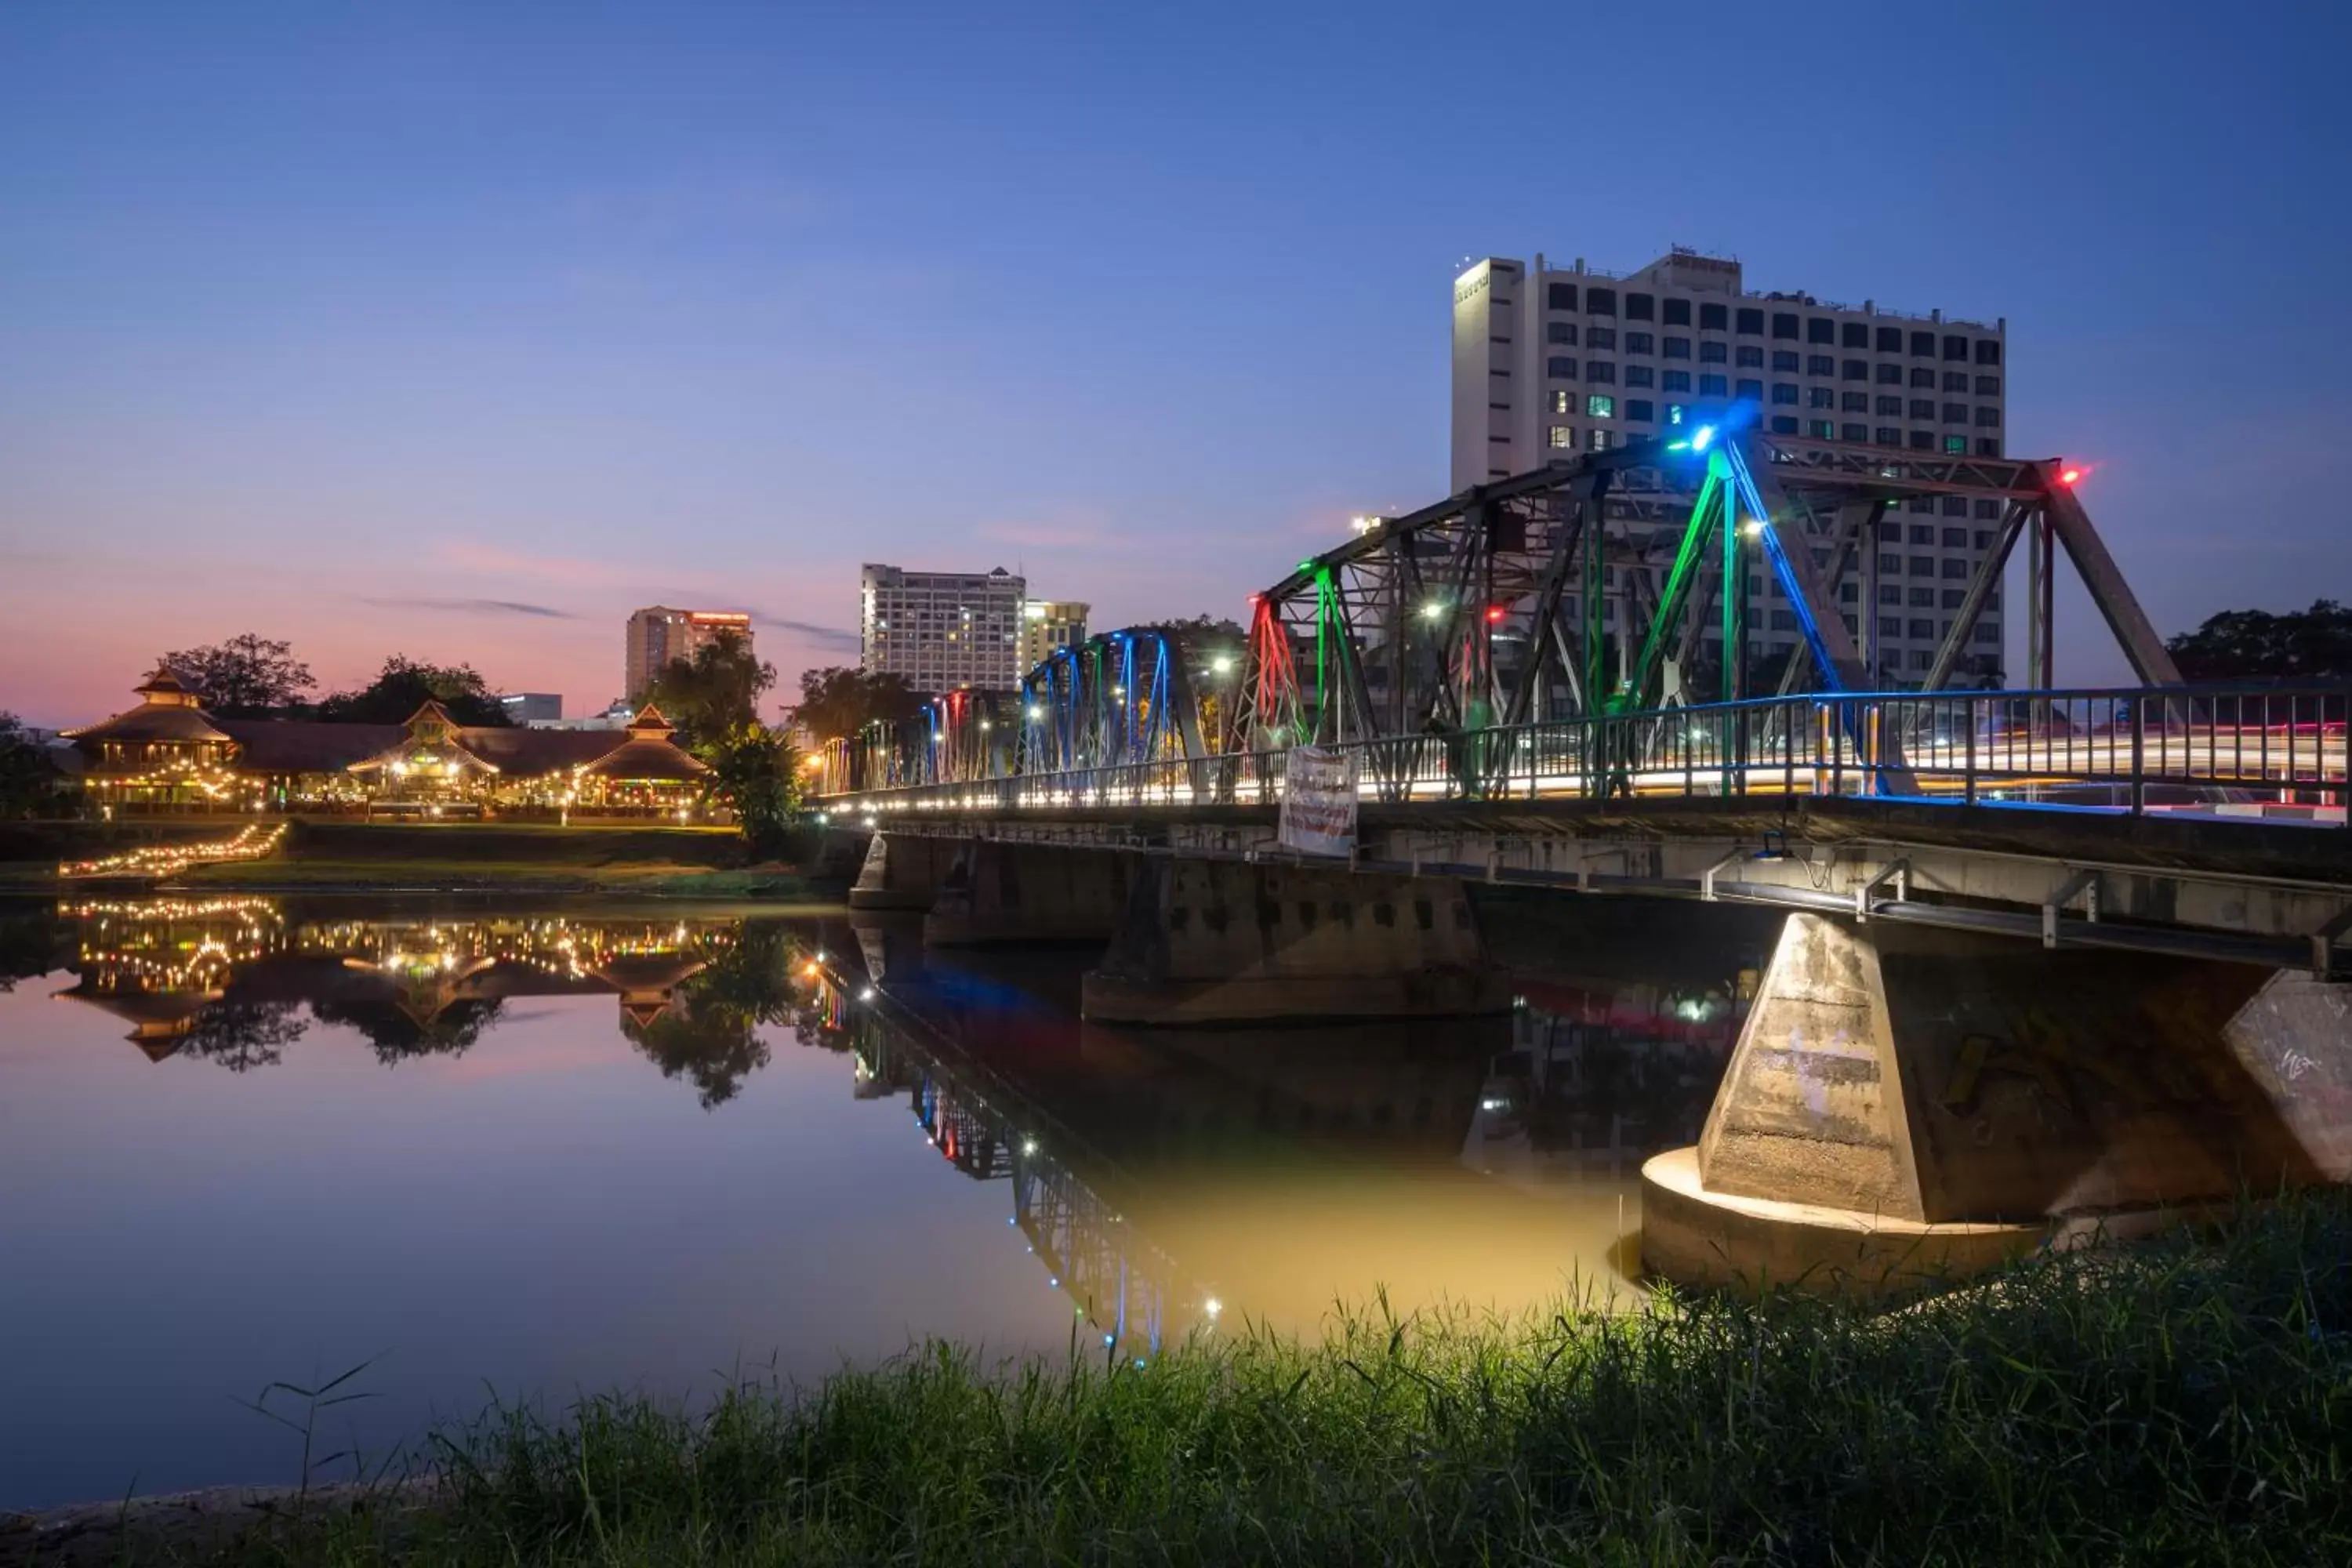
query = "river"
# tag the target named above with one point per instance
(481, 1152)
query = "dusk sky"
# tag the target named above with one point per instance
(461, 331)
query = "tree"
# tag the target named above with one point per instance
(715, 693)
(242, 1035)
(29, 782)
(836, 702)
(755, 774)
(404, 686)
(245, 677)
(2254, 644)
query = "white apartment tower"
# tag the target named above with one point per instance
(1549, 361)
(943, 630)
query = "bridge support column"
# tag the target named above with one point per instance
(902, 871)
(1214, 941)
(997, 892)
(1904, 1105)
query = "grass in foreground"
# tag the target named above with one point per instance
(2185, 1401)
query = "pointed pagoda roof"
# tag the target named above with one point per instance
(649, 754)
(167, 710)
(448, 747)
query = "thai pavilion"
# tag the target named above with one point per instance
(168, 754)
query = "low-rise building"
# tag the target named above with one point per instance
(167, 755)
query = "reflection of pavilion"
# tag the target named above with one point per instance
(159, 963)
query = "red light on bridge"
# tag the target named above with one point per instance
(1493, 613)
(2070, 477)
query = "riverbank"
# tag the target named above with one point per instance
(2185, 1400)
(343, 857)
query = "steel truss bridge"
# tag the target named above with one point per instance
(1474, 649)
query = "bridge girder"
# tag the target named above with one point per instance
(1523, 600)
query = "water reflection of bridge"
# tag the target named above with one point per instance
(1074, 1220)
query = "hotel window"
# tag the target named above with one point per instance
(1923, 379)
(1676, 348)
(1676, 380)
(1639, 343)
(1784, 392)
(1599, 439)
(1987, 350)
(1641, 409)
(1957, 348)
(1922, 408)
(1712, 386)
(1988, 386)
(1601, 371)
(1750, 357)
(1822, 429)
(1890, 340)
(1560, 333)
(1956, 413)
(1601, 337)
(1820, 397)
(1820, 364)
(1713, 318)
(1852, 402)
(1923, 345)
(1890, 375)
(1988, 415)
(1955, 597)
(1783, 324)
(1750, 323)
(1853, 433)
(1600, 301)
(1674, 411)
(1855, 370)
(1890, 408)
(1560, 401)
(1956, 446)
(1922, 441)
(1751, 390)
(1559, 367)
(1987, 446)
(1676, 312)
(1639, 375)
(1785, 361)
(1597, 406)
(1986, 511)
(1561, 296)
(1784, 424)
(1638, 305)
(1857, 336)
(1563, 435)
(1956, 381)
(1713, 353)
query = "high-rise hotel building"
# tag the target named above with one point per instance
(658, 634)
(943, 630)
(1548, 362)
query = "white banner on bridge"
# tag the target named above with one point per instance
(1319, 801)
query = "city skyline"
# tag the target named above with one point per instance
(364, 334)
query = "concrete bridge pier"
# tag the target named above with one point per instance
(993, 891)
(1219, 942)
(1904, 1104)
(901, 871)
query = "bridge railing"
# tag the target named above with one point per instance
(2127, 749)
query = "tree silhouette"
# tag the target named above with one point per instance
(398, 1035)
(242, 1035)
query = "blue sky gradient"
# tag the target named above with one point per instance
(460, 330)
